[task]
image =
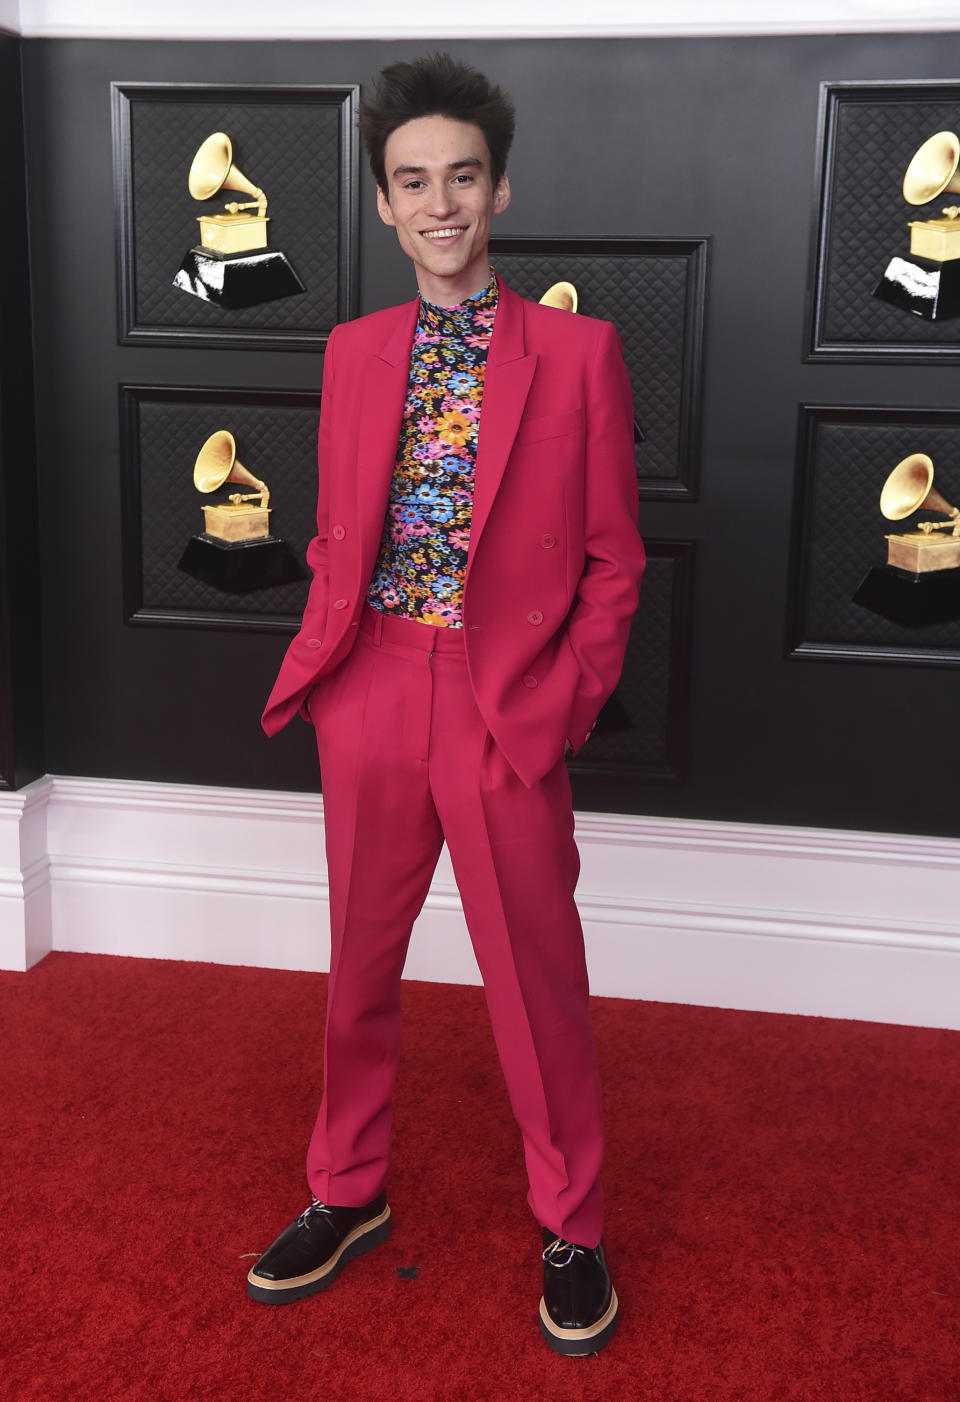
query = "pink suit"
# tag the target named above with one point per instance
(431, 733)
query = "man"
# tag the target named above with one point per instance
(475, 569)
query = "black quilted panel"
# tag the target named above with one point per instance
(647, 295)
(643, 730)
(292, 150)
(276, 441)
(841, 533)
(864, 219)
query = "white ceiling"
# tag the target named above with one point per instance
(385, 19)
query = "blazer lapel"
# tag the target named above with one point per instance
(382, 394)
(506, 386)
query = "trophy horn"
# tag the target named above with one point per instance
(217, 463)
(562, 295)
(212, 169)
(933, 169)
(910, 488)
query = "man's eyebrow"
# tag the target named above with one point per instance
(468, 163)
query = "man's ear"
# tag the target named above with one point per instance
(501, 195)
(384, 210)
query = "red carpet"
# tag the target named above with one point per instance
(783, 1203)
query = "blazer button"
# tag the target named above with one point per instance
(548, 541)
(338, 532)
(340, 603)
(314, 642)
(530, 682)
(535, 617)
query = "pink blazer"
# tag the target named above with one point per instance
(555, 559)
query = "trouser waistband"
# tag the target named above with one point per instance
(388, 628)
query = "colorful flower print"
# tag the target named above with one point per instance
(454, 428)
(423, 553)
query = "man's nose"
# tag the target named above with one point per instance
(442, 201)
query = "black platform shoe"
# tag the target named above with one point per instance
(313, 1250)
(578, 1311)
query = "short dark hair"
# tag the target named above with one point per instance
(435, 86)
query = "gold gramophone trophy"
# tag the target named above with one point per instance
(562, 295)
(920, 582)
(910, 488)
(235, 519)
(236, 551)
(928, 282)
(232, 267)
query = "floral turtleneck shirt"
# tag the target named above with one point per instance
(423, 554)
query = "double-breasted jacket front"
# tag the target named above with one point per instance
(555, 558)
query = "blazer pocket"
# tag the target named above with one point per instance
(548, 426)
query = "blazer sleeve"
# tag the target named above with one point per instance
(315, 612)
(598, 626)
(291, 689)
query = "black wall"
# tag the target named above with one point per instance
(21, 739)
(660, 137)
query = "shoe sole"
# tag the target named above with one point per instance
(577, 1343)
(364, 1237)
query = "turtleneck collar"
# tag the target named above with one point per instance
(461, 319)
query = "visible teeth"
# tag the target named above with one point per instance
(441, 233)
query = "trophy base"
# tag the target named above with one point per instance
(236, 567)
(910, 599)
(921, 286)
(237, 280)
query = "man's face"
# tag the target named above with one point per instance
(440, 199)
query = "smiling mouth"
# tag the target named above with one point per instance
(435, 235)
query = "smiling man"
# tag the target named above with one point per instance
(475, 570)
(441, 200)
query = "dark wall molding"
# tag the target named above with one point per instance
(316, 222)
(867, 134)
(844, 455)
(162, 428)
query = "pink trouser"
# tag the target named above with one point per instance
(407, 762)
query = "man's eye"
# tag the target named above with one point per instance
(463, 179)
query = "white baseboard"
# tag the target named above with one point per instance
(800, 920)
(25, 915)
